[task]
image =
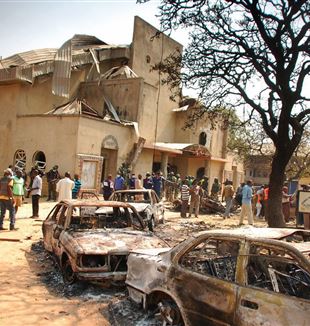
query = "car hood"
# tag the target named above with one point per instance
(140, 207)
(111, 241)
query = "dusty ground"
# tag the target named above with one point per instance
(32, 292)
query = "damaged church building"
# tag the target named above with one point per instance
(90, 106)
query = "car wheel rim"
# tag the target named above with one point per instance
(69, 276)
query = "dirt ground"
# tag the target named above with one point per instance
(32, 291)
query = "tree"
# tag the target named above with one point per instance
(250, 54)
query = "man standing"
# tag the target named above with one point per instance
(215, 189)
(184, 198)
(195, 192)
(6, 199)
(148, 181)
(77, 186)
(119, 182)
(53, 177)
(18, 189)
(246, 207)
(228, 194)
(108, 187)
(158, 184)
(35, 192)
(64, 187)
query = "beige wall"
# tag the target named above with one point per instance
(91, 133)
(156, 97)
(55, 136)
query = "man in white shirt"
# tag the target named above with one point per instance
(64, 187)
(35, 192)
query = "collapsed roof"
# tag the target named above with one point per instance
(78, 51)
(75, 107)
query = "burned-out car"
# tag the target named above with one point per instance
(247, 276)
(92, 239)
(145, 201)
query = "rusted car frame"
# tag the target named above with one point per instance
(192, 287)
(92, 239)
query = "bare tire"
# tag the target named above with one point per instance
(169, 313)
(68, 274)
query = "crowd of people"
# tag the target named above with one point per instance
(16, 185)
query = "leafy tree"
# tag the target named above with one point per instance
(250, 54)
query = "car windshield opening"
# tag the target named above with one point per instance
(94, 217)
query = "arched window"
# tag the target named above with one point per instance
(20, 159)
(39, 160)
(202, 138)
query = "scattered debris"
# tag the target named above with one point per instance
(10, 239)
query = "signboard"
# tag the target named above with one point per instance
(89, 174)
(304, 202)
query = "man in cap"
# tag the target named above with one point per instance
(6, 199)
(53, 177)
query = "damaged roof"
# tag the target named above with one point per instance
(79, 50)
(75, 107)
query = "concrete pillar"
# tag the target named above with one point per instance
(164, 164)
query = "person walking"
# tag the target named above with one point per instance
(195, 192)
(53, 177)
(77, 186)
(64, 187)
(18, 189)
(227, 195)
(246, 207)
(184, 198)
(6, 199)
(35, 192)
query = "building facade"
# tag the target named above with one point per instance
(89, 107)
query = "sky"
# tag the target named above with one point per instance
(33, 24)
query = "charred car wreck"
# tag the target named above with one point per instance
(91, 240)
(146, 202)
(246, 276)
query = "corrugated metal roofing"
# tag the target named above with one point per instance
(74, 52)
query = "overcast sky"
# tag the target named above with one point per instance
(27, 25)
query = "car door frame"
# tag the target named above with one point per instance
(258, 306)
(48, 228)
(60, 227)
(180, 276)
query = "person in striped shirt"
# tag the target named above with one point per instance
(184, 197)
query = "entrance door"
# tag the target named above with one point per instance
(109, 165)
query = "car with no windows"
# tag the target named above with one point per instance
(145, 201)
(247, 276)
(92, 239)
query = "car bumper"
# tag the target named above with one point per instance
(101, 276)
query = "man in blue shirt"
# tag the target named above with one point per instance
(246, 207)
(119, 182)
